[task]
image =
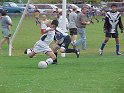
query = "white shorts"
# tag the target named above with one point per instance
(41, 46)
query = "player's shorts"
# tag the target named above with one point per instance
(5, 32)
(66, 42)
(41, 46)
(73, 31)
(111, 35)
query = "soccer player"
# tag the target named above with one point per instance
(6, 24)
(72, 25)
(42, 45)
(112, 20)
(43, 24)
(62, 42)
(36, 15)
(93, 14)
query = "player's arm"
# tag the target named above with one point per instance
(84, 21)
(49, 29)
(106, 24)
(9, 22)
(121, 25)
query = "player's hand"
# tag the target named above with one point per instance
(105, 31)
(122, 31)
(87, 23)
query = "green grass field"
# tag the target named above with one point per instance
(91, 73)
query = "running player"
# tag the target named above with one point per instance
(62, 42)
(42, 45)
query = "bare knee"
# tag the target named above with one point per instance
(62, 49)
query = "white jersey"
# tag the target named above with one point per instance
(60, 25)
(48, 37)
(43, 25)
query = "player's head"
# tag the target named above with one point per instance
(44, 17)
(84, 10)
(54, 23)
(74, 9)
(4, 13)
(114, 7)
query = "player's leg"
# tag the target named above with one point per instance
(64, 47)
(108, 35)
(3, 41)
(51, 58)
(117, 43)
(55, 48)
(73, 34)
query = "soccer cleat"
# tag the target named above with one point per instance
(54, 63)
(100, 52)
(77, 52)
(25, 52)
(118, 53)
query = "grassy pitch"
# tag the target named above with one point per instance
(91, 73)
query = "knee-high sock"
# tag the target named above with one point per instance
(49, 61)
(117, 47)
(70, 51)
(56, 57)
(102, 46)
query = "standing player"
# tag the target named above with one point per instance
(36, 15)
(43, 44)
(72, 25)
(112, 20)
(6, 24)
(62, 42)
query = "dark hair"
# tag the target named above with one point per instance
(74, 9)
(113, 5)
(3, 13)
(83, 8)
(55, 22)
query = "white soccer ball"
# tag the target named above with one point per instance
(42, 65)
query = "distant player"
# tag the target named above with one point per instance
(72, 25)
(43, 24)
(93, 14)
(112, 20)
(42, 45)
(62, 42)
(36, 15)
(6, 24)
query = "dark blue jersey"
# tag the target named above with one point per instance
(112, 20)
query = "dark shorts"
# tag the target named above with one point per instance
(66, 42)
(111, 35)
(73, 31)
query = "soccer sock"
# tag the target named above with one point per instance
(102, 46)
(56, 57)
(49, 61)
(117, 47)
(70, 51)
